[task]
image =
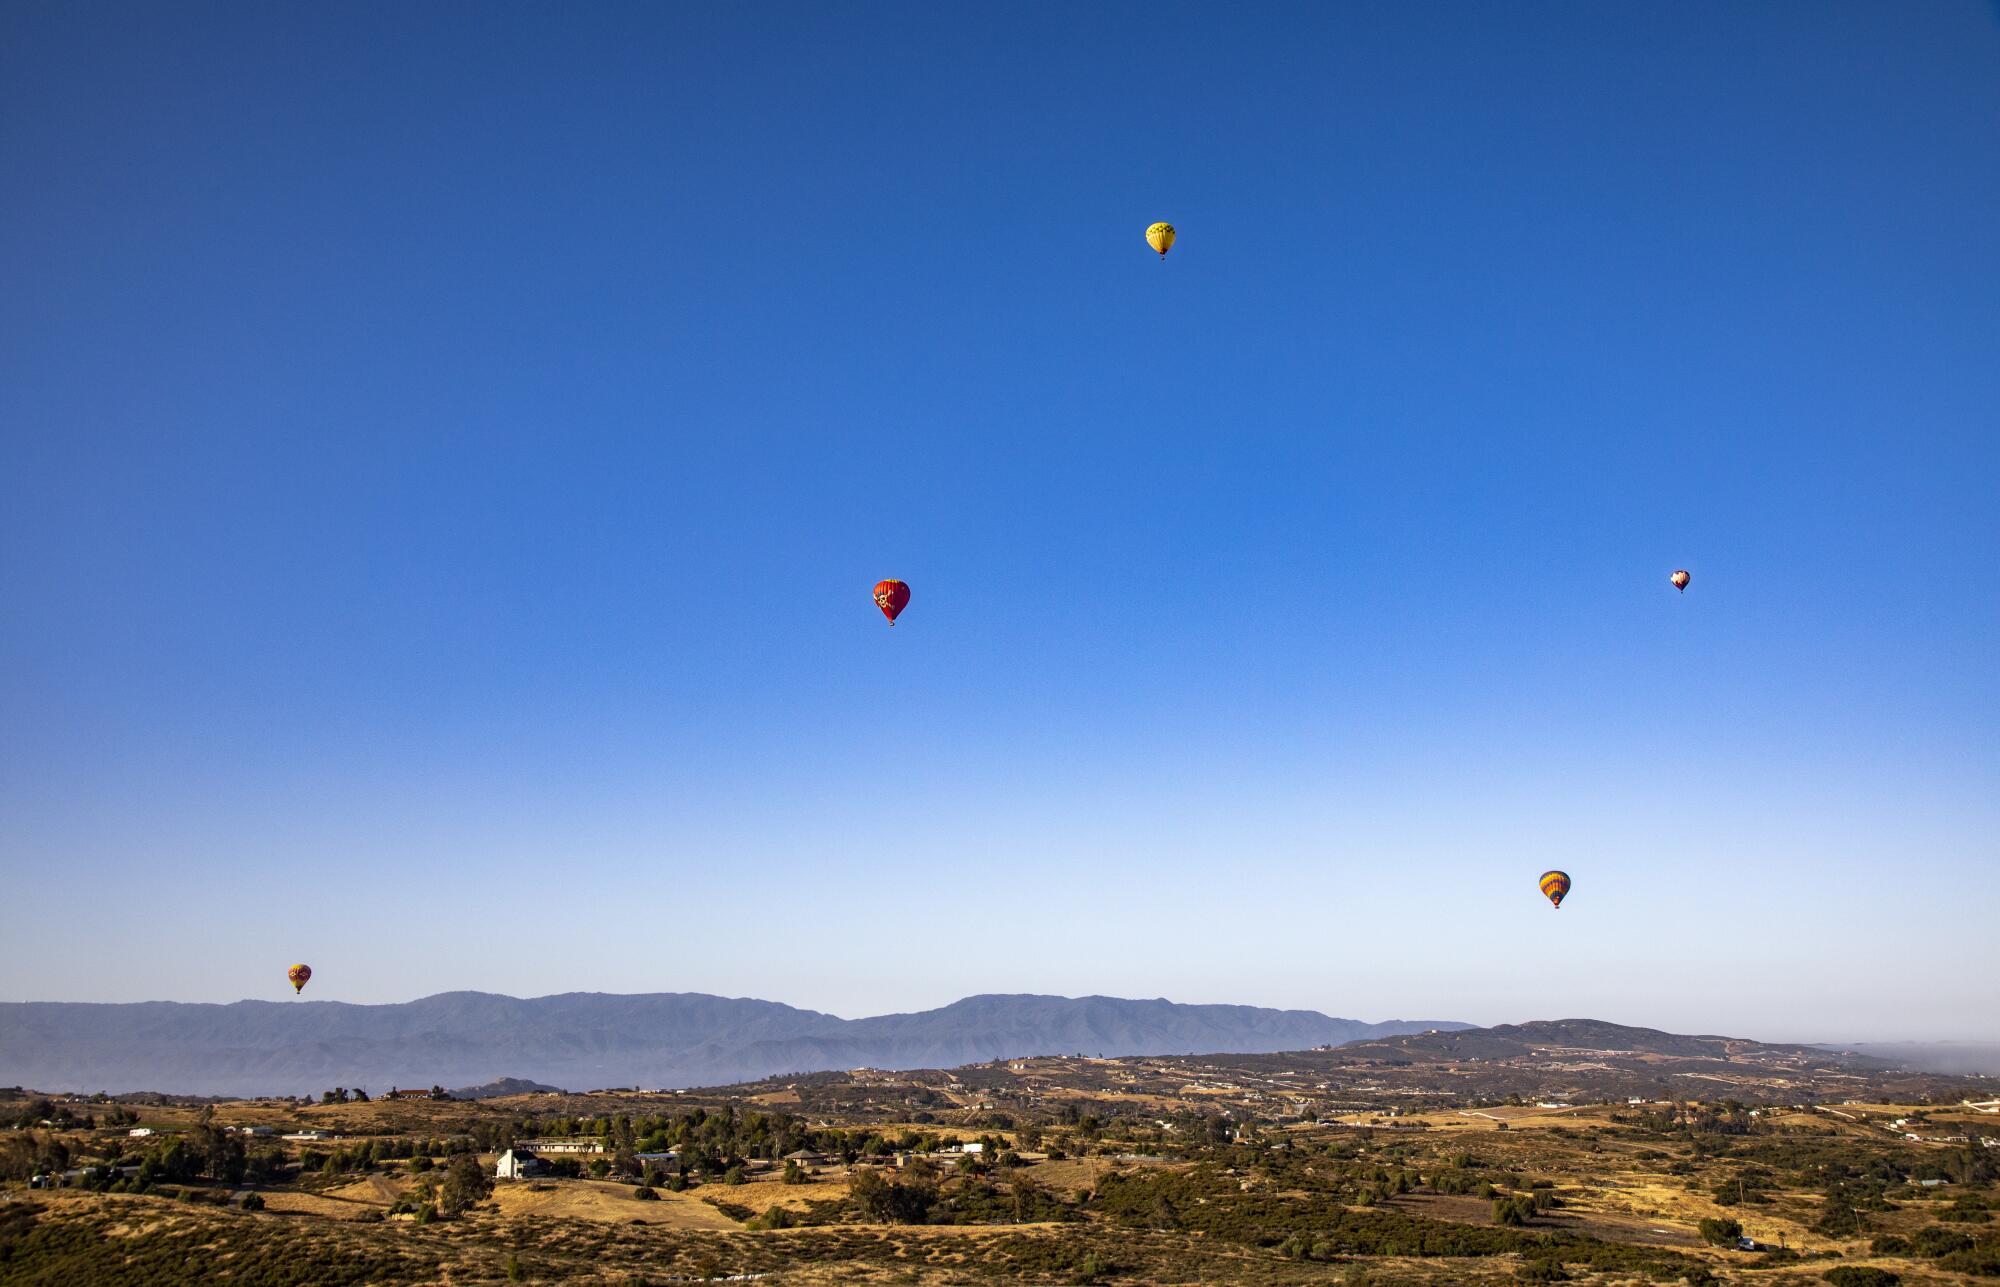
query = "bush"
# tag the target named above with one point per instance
(1091, 1269)
(772, 1218)
(735, 1175)
(1720, 1233)
(1838, 1219)
(1982, 1261)
(253, 1202)
(1542, 1271)
(645, 1193)
(1935, 1241)
(1860, 1276)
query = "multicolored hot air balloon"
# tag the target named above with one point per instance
(891, 596)
(1555, 884)
(1161, 238)
(298, 975)
(1680, 578)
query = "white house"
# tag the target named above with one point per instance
(518, 1164)
(140, 1132)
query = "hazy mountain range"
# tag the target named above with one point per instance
(586, 1040)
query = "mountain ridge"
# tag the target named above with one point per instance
(593, 1039)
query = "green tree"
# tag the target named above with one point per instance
(465, 1182)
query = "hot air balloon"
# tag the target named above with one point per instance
(1680, 578)
(298, 975)
(1161, 238)
(891, 596)
(1555, 884)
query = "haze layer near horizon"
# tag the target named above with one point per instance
(447, 452)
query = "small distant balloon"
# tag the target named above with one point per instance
(1680, 578)
(1555, 884)
(891, 597)
(1161, 238)
(298, 975)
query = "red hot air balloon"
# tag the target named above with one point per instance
(891, 597)
(1680, 578)
(297, 976)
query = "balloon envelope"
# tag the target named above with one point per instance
(1555, 884)
(1161, 238)
(298, 975)
(891, 596)
(1680, 578)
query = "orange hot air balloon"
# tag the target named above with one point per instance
(891, 596)
(1680, 578)
(298, 975)
(1555, 884)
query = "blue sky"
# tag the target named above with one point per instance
(448, 449)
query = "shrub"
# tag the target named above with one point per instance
(1542, 1271)
(645, 1193)
(772, 1218)
(1091, 1269)
(1720, 1233)
(1982, 1261)
(1936, 1241)
(1890, 1245)
(253, 1202)
(1838, 1219)
(1860, 1276)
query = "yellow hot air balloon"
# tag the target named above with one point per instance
(298, 975)
(1680, 578)
(1161, 238)
(1555, 884)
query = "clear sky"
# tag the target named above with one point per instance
(448, 447)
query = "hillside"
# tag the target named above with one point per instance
(586, 1040)
(1556, 1038)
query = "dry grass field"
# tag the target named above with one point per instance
(1186, 1182)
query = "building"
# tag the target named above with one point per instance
(519, 1164)
(140, 1132)
(563, 1146)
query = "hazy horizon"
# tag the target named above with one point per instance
(445, 454)
(1990, 1037)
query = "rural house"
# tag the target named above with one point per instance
(519, 1164)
